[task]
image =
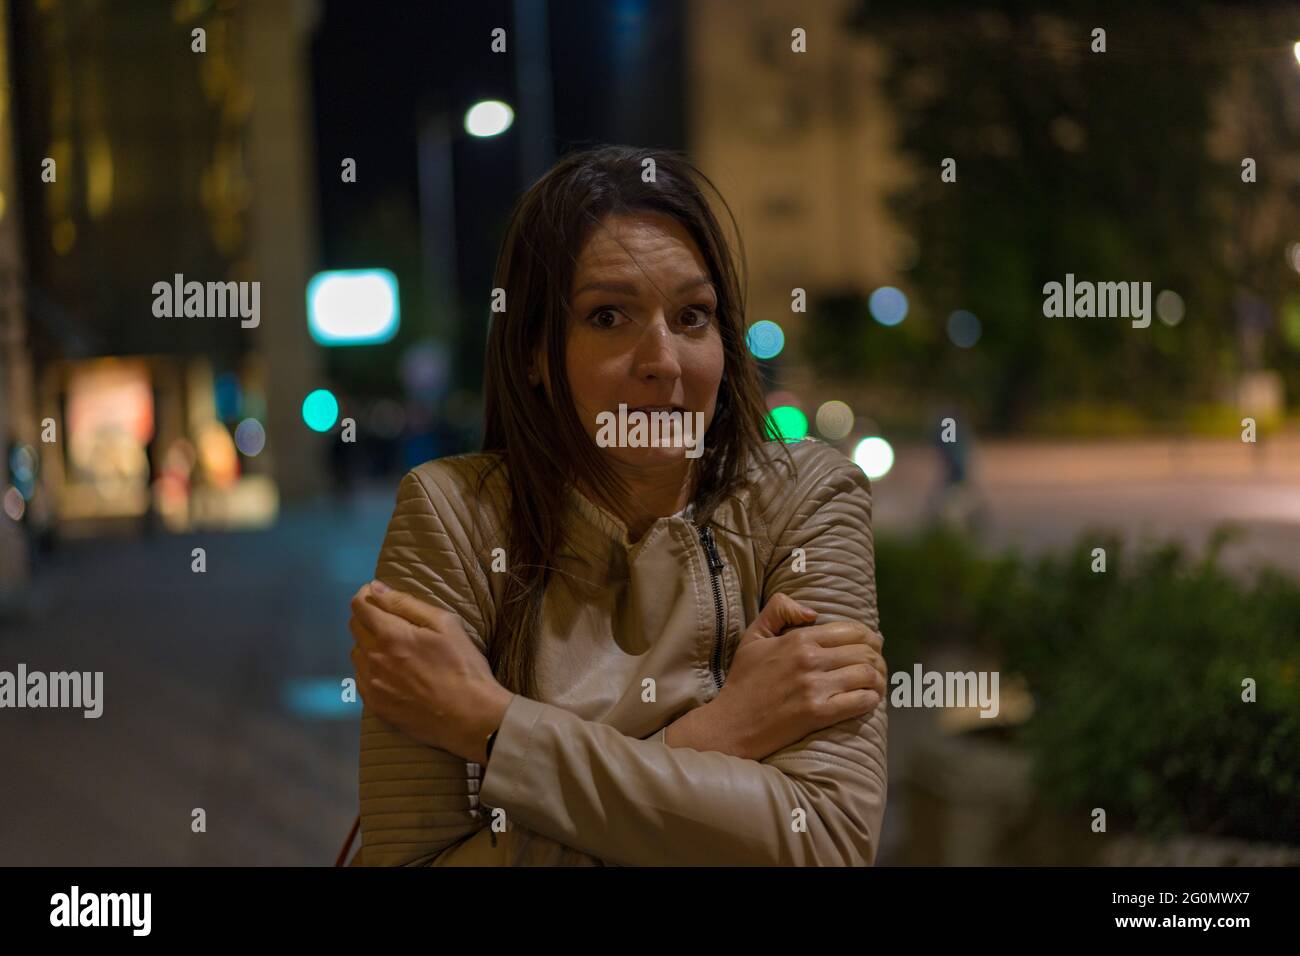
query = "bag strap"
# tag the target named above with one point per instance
(352, 835)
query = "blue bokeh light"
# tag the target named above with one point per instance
(888, 305)
(320, 410)
(766, 339)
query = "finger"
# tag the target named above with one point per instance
(855, 703)
(845, 655)
(856, 677)
(361, 665)
(841, 633)
(359, 597)
(875, 640)
(869, 636)
(378, 621)
(407, 606)
(773, 618)
(836, 633)
(362, 635)
(783, 611)
(849, 654)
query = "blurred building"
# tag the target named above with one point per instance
(801, 146)
(154, 141)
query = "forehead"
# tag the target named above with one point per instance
(642, 242)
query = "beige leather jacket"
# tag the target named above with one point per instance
(632, 637)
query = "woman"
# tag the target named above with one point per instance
(578, 651)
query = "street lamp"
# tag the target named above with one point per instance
(437, 200)
(437, 133)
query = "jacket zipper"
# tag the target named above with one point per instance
(715, 571)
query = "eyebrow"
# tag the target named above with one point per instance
(627, 288)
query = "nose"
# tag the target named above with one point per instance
(656, 352)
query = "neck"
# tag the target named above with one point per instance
(653, 493)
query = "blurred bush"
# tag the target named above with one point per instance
(936, 588)
(1136, 674)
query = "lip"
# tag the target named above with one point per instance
(658, 408)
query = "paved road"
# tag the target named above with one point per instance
(1042, 496)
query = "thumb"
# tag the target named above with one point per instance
(780, 612)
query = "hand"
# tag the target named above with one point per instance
(418, 669)
(783, 686)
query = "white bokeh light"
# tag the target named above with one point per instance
(353, 306)
(875, 456)
(488, 118)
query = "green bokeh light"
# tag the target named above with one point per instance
(792, 423)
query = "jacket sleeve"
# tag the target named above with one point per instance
(417, 800)
(641, 802)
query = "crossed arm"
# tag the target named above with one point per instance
(584, 784)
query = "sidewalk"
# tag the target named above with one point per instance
(196, 669)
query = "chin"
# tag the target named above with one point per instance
(648, 457)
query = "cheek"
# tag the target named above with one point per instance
(591, 376)
(702, 374)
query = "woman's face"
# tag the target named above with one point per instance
(643, 332)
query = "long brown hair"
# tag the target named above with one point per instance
(539, 438)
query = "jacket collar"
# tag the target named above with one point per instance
(596, 525)
(591, 528)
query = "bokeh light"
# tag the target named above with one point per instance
(834, 420)
(217, 454)
(23, 463)
(353, 306)
(320, 410)
(488, 118)
(964, 329)
(250, 437)
(226, 388)
(888, 305)
(875, 456)
(15, 504)
(1169, 307)
(765, 339)
(791, 421)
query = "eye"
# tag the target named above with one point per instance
(605, 317)
(697, 316)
